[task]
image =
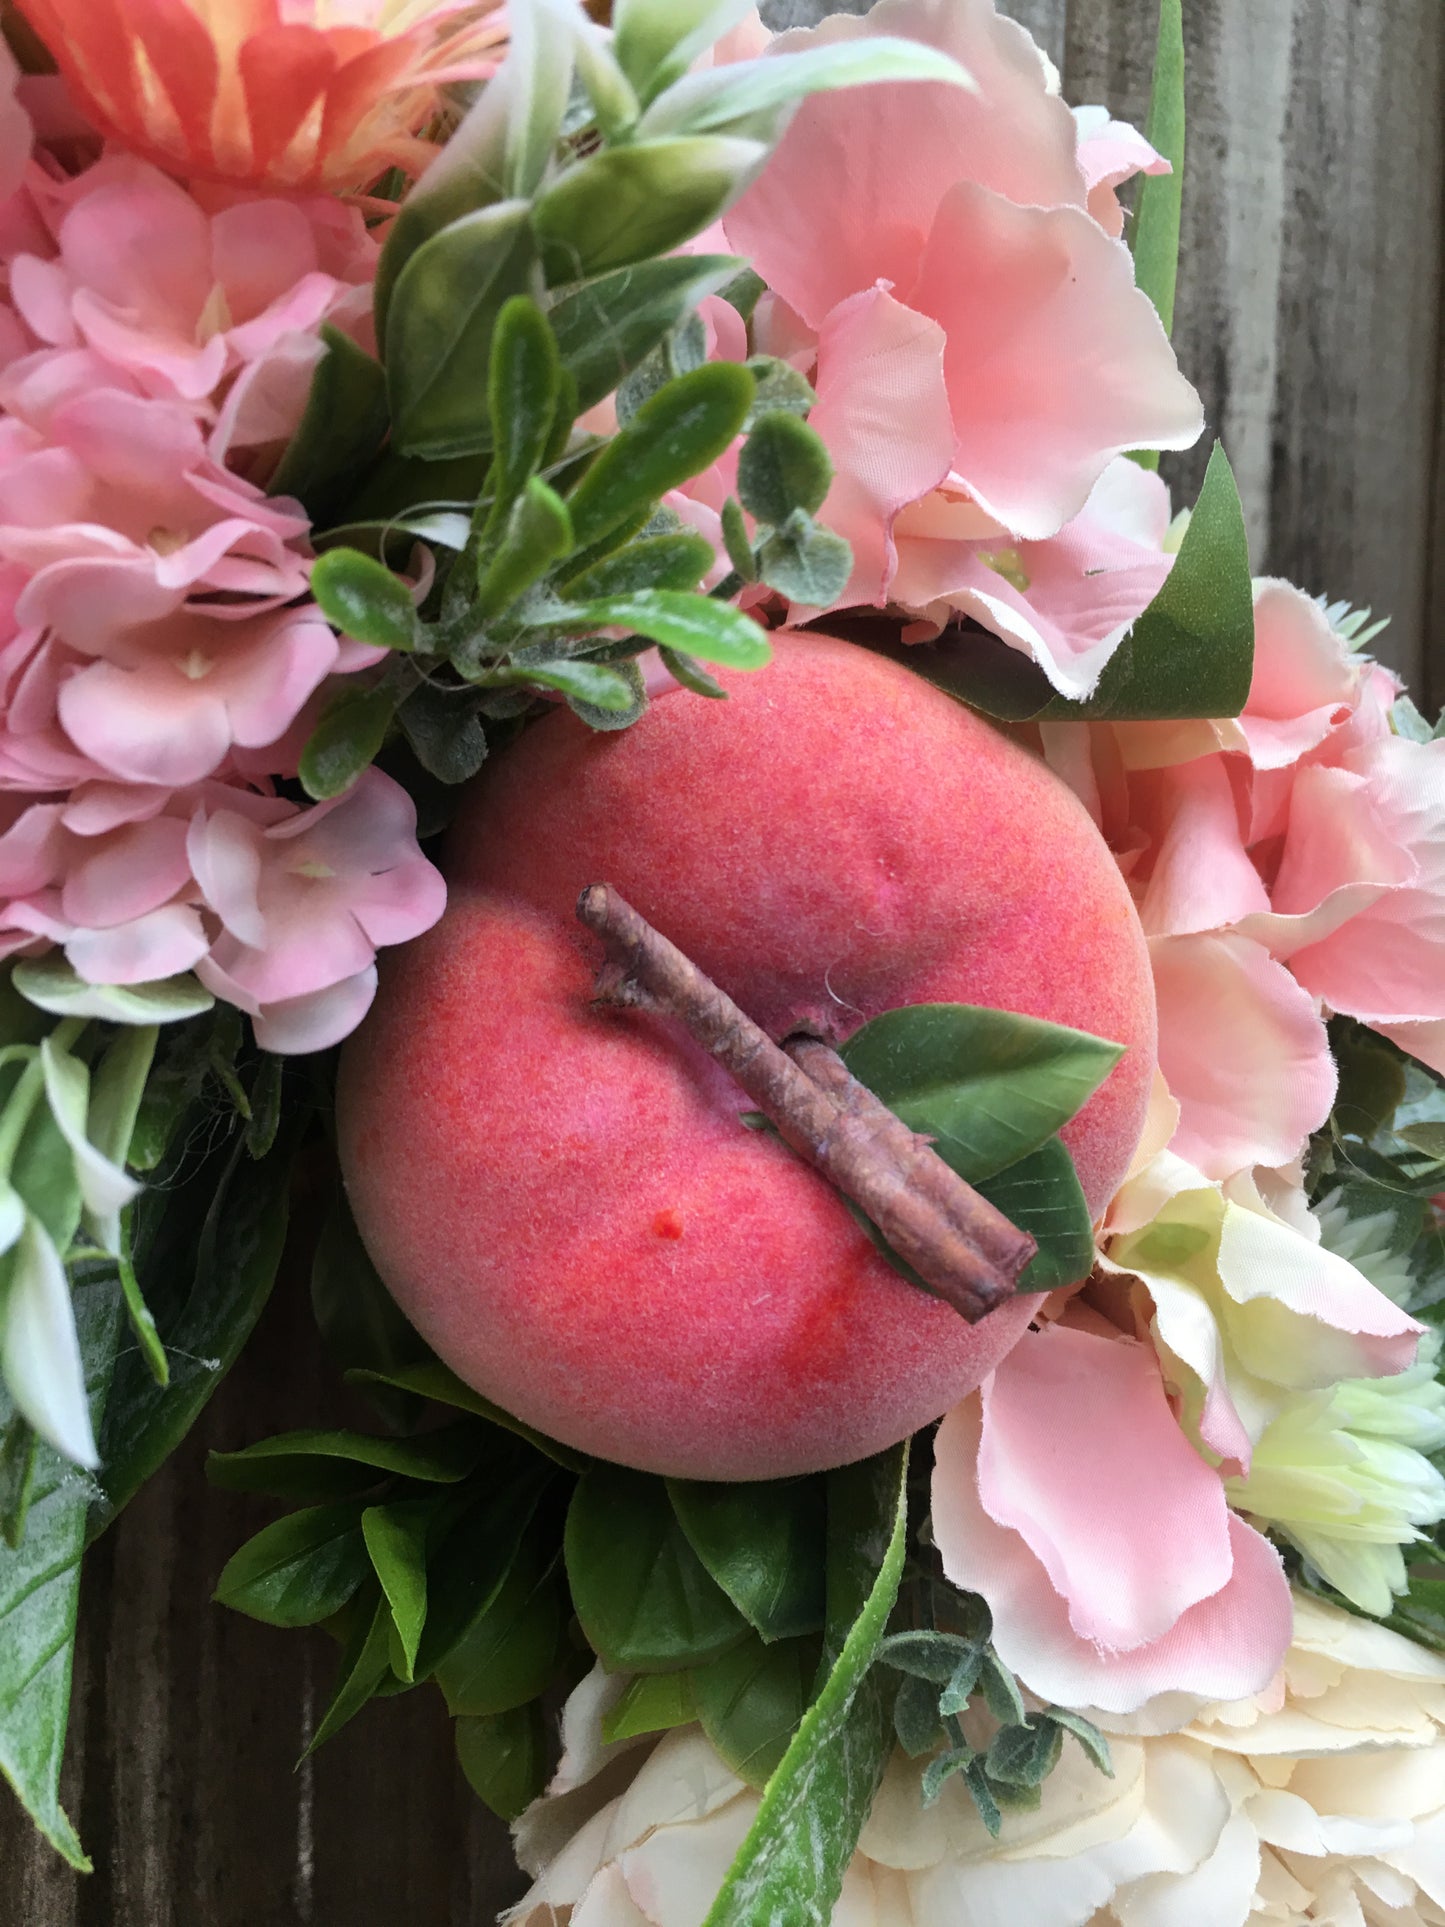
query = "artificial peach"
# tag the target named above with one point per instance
(563, 1199)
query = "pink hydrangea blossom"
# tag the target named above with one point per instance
(981, 353)
(1065, 1493)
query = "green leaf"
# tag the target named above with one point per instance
(445, 732)
(364, 1667)
(961, 1687)
(607, 326)
(431, 1379)
(677, 561)
(396, 1538)
(780, 387)
(50, 984)
(1000, 1690)
(347, 740)
(363, 599)
(1087, 1734)
(809, 565)
(646, 1601)
(784, 466)
(509, 1654)
(206, 1257)
(19, 1451)
(750, 96)
(137, 1311)
(1024, 1755)
(627, 204)
(524, 386)
(691, 675)
(39, 1591)
(592, 684)
(681, 431)
(652, 1703)
(682, 350)
(359, 1320)
(1041, 1194)
(1190, 654)
(764, 1544)
(299, 1570)
(934, 1656)
(467, 1570)
(117, 1087)
(336, 1464)
(656, 41)
(696, 625)
(1429, 1138)
(505, 1758)
(791, 1865)
(989, 1085)
(1372, 1081)
(916, 1719)
(939, 1772)
(1155, 234)
(752, 1700)
(538, 533)
(440, 324)
(737, 541)
(344, 425)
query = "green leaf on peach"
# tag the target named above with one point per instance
(989, 1085)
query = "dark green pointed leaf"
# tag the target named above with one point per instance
(469, 1567)
(691, 675)
(764, 1545)
(509, 1654)
(1041, 1194)
(524, 386)
(694, 624)
(681, 431)
(298, 1571)
(752, 1700)
(347, 740)
(1154, 236)
(784, 466)
(607, 326)
(439, 329)
(504, 1757)
(652, 1703)
(429, 1378)
(39, 1593)
(396, 1537)
(809, 565)
(791, 1865)
(362, 598)
(989, 1085)
(19, 1453)
(646, 1601)
(538, 533)
(359, 1320)
(678, 561)
(339, 1463)
(628, 204)
(343, 427)
(362, 1671)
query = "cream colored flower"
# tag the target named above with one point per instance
(1318, 1804)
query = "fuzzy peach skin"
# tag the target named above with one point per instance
(562, 1198)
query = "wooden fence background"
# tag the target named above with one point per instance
(1311, 318)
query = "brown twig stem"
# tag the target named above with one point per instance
(962, 1248)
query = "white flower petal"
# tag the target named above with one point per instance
(40, 1351)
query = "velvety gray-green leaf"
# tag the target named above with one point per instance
(607, 326)
(347, 739)
(697, 625)
(784, 466)
(362, 598)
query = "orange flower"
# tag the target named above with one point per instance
(284, 94)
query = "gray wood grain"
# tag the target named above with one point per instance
(1310, 316)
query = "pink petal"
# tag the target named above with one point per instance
(1056, 363)
(848, 198)
(1243, 1050)
(131, 872)
(1425, 1041)
(1202, 877)
(225, 856)
(1304, 683)
(316, 1022)
(1082, 1457)
(259, 251)
(883, 412)
(1226, 1647)
(161, 944)
(144, 724)
(1110, 153)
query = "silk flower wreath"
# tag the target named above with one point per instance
(889, 1208)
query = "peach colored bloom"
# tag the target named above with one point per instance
(299, 95)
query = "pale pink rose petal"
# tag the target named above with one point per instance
(1081, 1456)
(94, 808)
(1110, 153)
(224, 852)
(1242, 1048)
(1226, 1647)
(259, 250)
(31, 849)
(17, 136)
(1425, 1041)
(302, 1024)
(162, 943)
(848, 198)
(1387, 964)
(1055, 364)
(883, 412)
(1202, 877)
(1304, 683)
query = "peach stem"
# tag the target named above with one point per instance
(963, 1249)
